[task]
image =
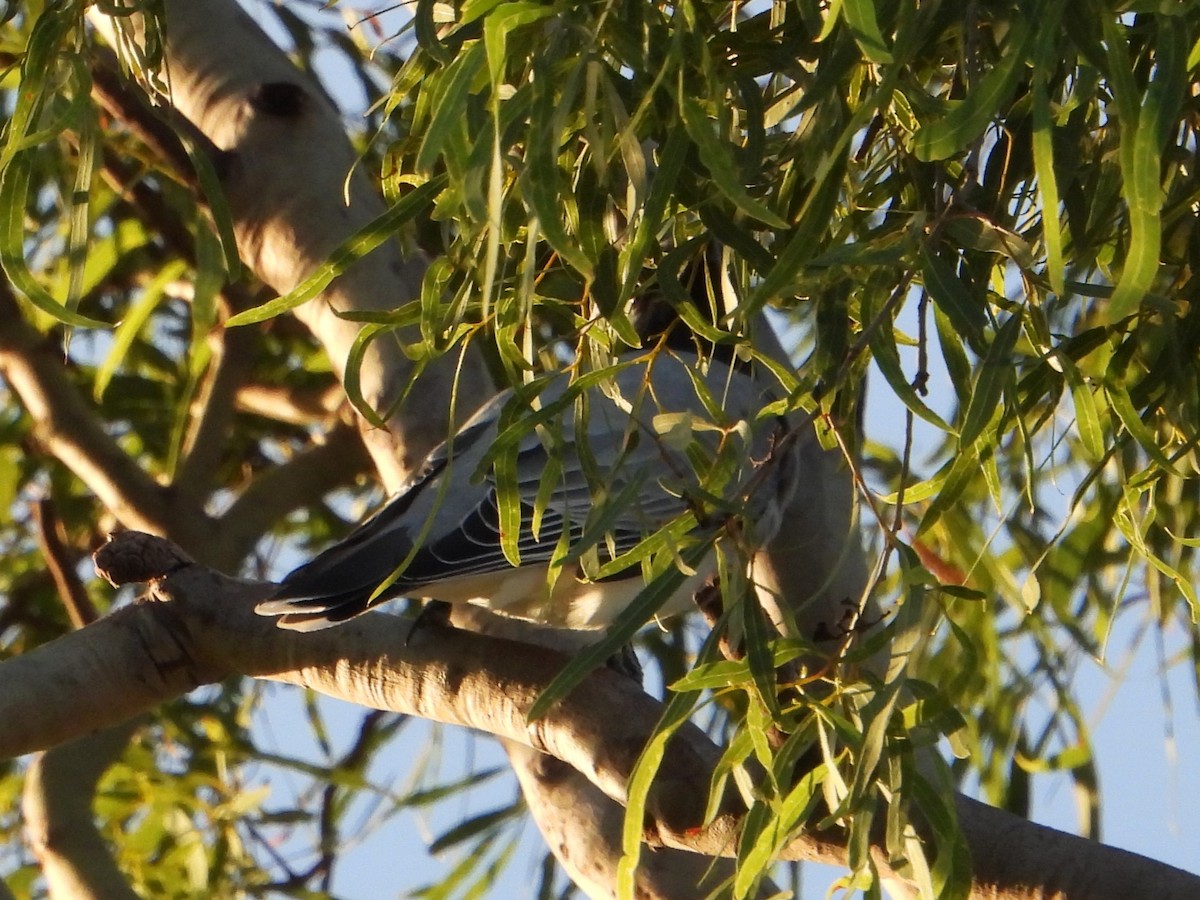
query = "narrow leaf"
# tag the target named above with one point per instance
(967, 120)
(354, 248)
(995, 371)
(860, 16)
(14, 191)
(717, 157)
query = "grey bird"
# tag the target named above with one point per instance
(615, 479)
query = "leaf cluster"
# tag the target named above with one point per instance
(988, 209)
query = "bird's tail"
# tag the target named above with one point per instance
(344, 580)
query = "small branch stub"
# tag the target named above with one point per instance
(134, 556)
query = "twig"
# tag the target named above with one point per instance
(212, 409)
(291, 406)
(78, 604)
(67, 426)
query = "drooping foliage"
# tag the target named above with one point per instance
(987, 209)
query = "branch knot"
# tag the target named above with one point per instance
(134, 556)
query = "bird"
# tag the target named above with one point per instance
(556, 521)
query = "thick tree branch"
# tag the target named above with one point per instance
(144, 654)
(285, 159)
(140, 656)
(582, 826)
(60, 785)
(589, 826)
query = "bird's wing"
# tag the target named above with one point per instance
(446, 525)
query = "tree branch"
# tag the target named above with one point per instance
(285, 163)
(80, 609)
(205, 630)
(588, 826)
(583, 827)
(67, 426)
(291, 406)
(212, 411)
(302, 481)
(60, 785)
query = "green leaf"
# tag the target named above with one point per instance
(1144, 128)
(675, 713)
(501, 22)
(475, 826)
(860, 16)
(1193, 59)
(758, 636)
(821, 200)
(1043, 148)
(948, 293)
(968, 118)
(214, 196)
(1087, 416)
(645, 235)
(37, 69)
(80, 218)
(542, 178)
(878, 714)
(449, 105)
(995, 372)
(960, 472)
(354, 248)
(352, 381)
(797, 805)
(14, 194)
(717, 157)
(1121, 404)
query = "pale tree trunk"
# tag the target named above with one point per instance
(59, 788)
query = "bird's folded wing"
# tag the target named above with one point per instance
(446, 525)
